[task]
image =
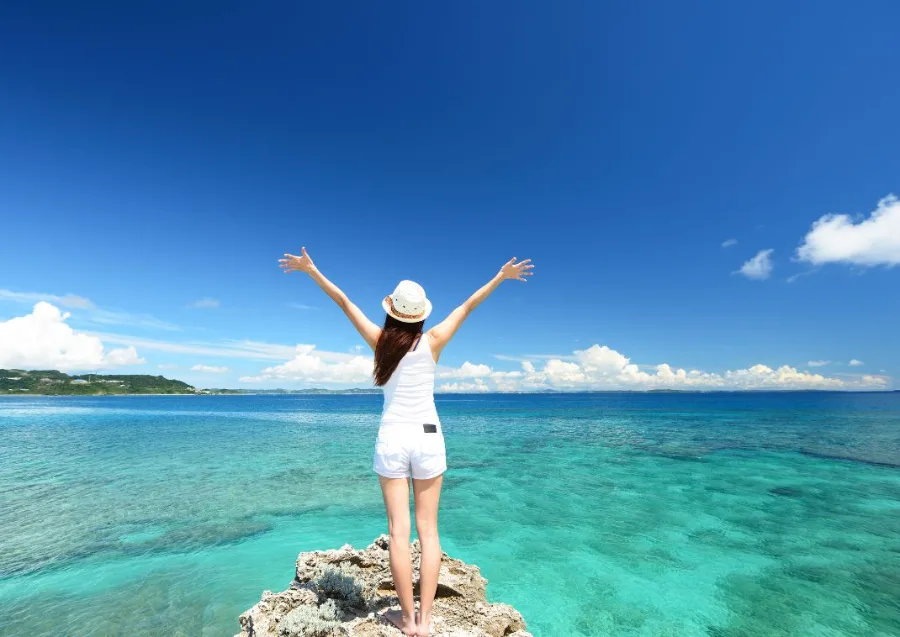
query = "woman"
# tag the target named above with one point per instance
(410, 441)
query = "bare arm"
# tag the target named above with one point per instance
(367, 329)
(444, 331)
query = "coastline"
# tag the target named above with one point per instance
(651, 392)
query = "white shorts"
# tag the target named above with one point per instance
(407, 450)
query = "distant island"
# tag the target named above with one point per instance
(54, 383)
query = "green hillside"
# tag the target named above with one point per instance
(51, 382)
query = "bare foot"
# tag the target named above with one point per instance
(407, 625)
(423, 628)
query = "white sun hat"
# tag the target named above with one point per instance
(407, 303)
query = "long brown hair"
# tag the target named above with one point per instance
(396, 339)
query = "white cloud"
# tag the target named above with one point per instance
(818, 363)
(856, 363)
(209, 369)
(873, 241)
(301, 306)
(481, 377)
(91, 313)
(759, 267)
(600, 367)
(310, 365)
(478, 385)
(729, 242)
(118, 358)
(206, 303)
(466, 370)
(43, 340)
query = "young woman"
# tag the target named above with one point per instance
(410, 440)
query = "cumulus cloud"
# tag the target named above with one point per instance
(471, 377)
(477, 385)
(818, 363)
(209, 369)
(856, 363)
(43, 340)
(600, 367)
(873, 241)
(310, 365)
(206, 303)
(759, 267)
(466, 370)
(729, 242)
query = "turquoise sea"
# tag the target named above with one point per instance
(716, 514)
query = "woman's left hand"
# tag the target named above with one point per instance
(293, 263)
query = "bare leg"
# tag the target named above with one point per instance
(396, 503)
(428, 495)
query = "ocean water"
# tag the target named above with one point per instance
(720, 515)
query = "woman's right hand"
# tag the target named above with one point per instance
(293, 263)
(517, 271)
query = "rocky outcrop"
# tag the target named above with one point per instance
(345, 591)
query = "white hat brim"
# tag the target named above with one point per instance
(387, 309)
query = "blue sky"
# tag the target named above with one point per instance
(157, 156)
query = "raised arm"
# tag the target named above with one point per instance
(367, 329)
(444, 331)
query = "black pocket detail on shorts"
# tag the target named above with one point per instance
(430, 429)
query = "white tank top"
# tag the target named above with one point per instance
(409, 392)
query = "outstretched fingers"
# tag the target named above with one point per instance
(524, 269)
(289, 264)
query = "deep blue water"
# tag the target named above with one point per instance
(594, 514)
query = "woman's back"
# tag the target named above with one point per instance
(409, 392)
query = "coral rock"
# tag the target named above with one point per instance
(344, 592)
